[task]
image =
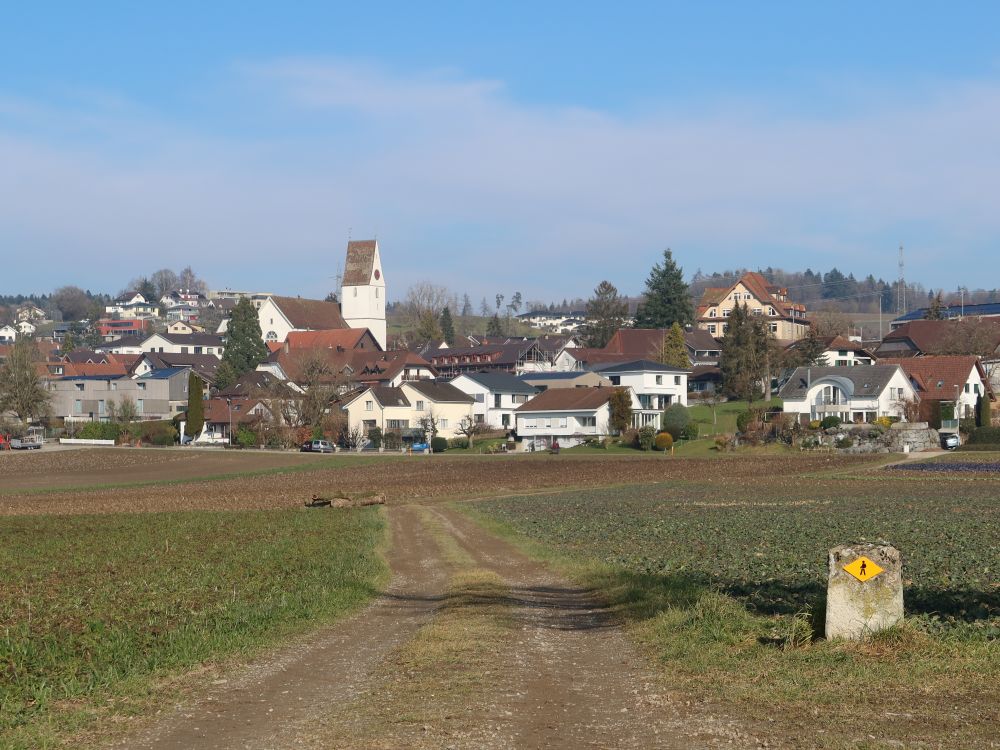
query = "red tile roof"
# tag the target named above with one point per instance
(939, 378)
(346, 338)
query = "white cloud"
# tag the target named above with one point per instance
(453, 174)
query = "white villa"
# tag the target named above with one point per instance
(855, 394)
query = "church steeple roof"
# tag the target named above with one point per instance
(360, 262)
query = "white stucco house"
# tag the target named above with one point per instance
(497, 396)
(568, 416)
(404, 409)
(186, 343)
(8, 334)
(854, 394)
(957, 382)
(655, 385)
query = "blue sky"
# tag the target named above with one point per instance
(539, 147)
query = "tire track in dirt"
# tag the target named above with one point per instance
(269, 701)
(577, 681)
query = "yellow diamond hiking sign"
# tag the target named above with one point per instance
(863, 569)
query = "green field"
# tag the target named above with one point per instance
(96, 611)
(724, 581)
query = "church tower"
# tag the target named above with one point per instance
(362, 295)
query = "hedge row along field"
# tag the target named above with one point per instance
(724, 580)
(95, 609)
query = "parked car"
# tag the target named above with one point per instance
(950, 441)
(317, 446)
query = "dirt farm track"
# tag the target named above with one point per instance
(151, 480)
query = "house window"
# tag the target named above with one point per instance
(615, 379)
(677, 379)
(480, 398)
(480, 418)
(496, 400)
(770, 311)
(519, 398)
(772, 327)
(975, 388)
(420, 405)
(369, 406)
(184, 350)
(711, 329)
(587, 421)
(505, 420)
(79, 386)
(78, 407)
(443, 424)
(141, 386)
(563, 422)
(713, 313)
(725, 327)
(725, 312)
(197, 350)
(659, 380)
(139, 405)
(114, 386)
(967, 389)
(548, 423)
(397, 424)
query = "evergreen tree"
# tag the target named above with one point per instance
(936, 309)
(21, 390)
(668, 299)
(807, 351)
(984, 416)
(148, 290)
(745, 351)
(673, 350)
(620, 408)
(606, 313)
(495, 328)
(244, 345)
(466, 306)
(447, 327)
(196, 406)
(428, 329)
(225, 376)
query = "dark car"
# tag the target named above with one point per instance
(950, 441)
(317, 446)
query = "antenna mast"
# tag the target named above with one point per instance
(901, 290)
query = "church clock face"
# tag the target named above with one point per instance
(378, 274)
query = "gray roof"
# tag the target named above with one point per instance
(440, 392)
(867, 380)
(637, 365)
(567, 375)
(500, 382)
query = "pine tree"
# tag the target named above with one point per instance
(196, 406)
(744, 360)
(447, 327)
(673, 350)
(21, 390)
(606, 313)
(668, 299)
(495, 328)
(244, 345)
(936, 309)
(466, 306)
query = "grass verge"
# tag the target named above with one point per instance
(97, 613)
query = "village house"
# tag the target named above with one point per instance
(567, 416)
(224, 417)
(8, 334)
(947, 387)
(416, 406)
(191, 343)
(159, 394)
(838, 351)
(854, 394)
(131, 305)
(109, 329)
(497, 395)
(984, 311)
(786, 320)
(29, 313)
(655, 386)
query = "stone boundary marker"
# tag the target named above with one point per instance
(865, 590)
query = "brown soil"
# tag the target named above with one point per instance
(402, 479)
(87, 467)
(569, 677)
